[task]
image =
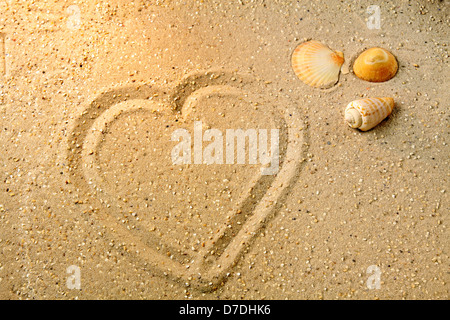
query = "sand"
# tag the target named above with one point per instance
(92, 206)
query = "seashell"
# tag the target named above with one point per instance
(316, 64)
(375, 65)
(365, 114)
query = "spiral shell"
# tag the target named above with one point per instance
(367, 113)
(375, 65)
(316, 64)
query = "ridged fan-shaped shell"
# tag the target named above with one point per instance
(316, 64)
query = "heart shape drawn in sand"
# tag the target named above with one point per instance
(190, 222)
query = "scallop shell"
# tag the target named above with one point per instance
(375, 65)
(367, 113)
(316, 64)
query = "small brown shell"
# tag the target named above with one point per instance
(375, 65)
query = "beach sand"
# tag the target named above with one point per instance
(91, 93)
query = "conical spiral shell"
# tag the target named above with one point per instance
(365, 114)
(375, 65)
(316, 64)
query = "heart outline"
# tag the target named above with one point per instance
(200, 274)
